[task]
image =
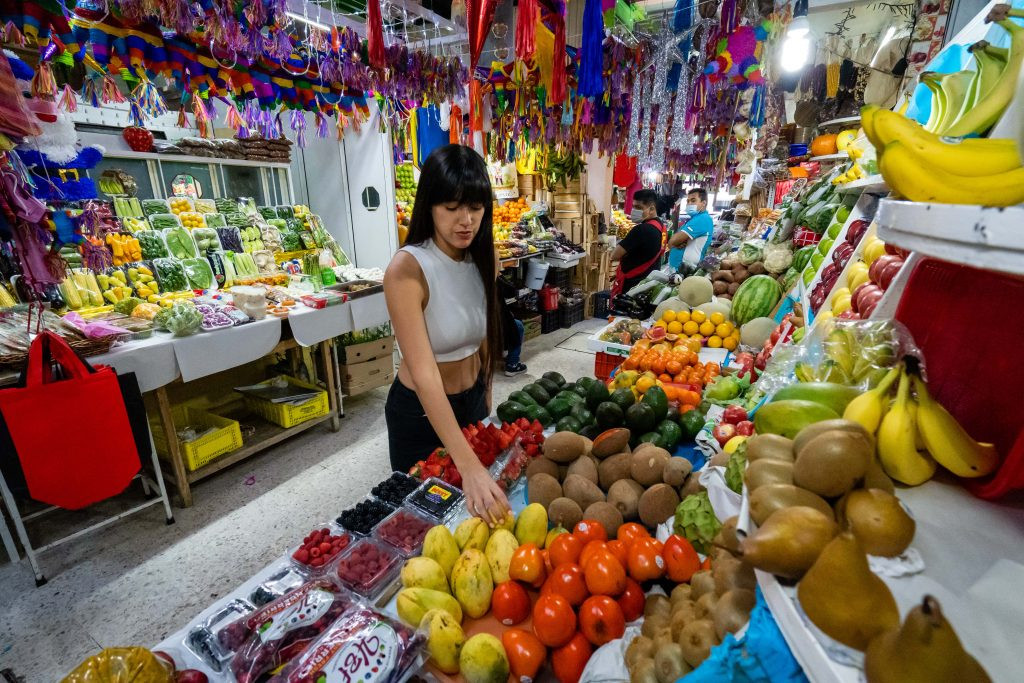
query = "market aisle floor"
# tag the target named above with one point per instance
(138, 581)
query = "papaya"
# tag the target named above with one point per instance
(830, 394)
(787, 417)
(472, 583)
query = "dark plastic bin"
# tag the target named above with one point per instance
(569, 315)
(601, 302)
(560, 277)
(549, 321)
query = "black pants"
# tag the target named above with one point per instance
(410, 436)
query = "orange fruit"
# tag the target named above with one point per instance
(690, 327)
(723, 329)
(715, 342)
(698, 316)
(707, 328)
(673, 367)
(730, 343)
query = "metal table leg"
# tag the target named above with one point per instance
(19, 527)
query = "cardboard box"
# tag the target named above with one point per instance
(360, 353)
(357, 378)
(531, 328)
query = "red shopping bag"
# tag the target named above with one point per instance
(69, 427)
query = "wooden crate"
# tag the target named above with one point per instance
(357, 378)
(531, 327)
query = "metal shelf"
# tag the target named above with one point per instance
(874, 184)
(831, 157)
(845, 121)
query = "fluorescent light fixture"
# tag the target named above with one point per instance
(795, 52)
(306, 20)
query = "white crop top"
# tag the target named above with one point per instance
(456, 311)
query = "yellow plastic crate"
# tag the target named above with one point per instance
(287, 415)
(226, 437)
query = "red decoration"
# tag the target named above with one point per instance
(526, 29)
(139, 139)
(558, 58)
(375, 34)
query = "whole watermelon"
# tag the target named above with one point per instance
(755, 298)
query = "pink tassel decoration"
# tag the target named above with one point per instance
(202, 118)
(12, 34)
(43, 85)
(234, 121)
(68, 100)
(110, 91)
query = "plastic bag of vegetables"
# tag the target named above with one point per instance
(778, 257)
(751, 251)
(181, 319)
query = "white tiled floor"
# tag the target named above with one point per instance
(135, 582)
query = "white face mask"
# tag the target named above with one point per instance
(636, 215)
(691, 209)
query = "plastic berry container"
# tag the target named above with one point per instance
(319, 549)
(437, 499)
(364, 516)
(368, 567)
(282, 581)
(395, 489)
(404, 530)
(203, 639)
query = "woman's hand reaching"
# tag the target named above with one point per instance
(484, 498)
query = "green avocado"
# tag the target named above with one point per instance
(691, 422)
(510, 411)
(623, 398)
(640, 418)
(540, 414)
(580, 390)
(672, 414)
(591, 431)
(558, 407)
(671, 432)
(653, 437)
(571, 396)
(596, 395)
(585, 382)
(539, 393)
(608, 415)
(549, 386)
(655, 398)
(554, 377)
(522, 398)
(568, 424)
(582, 413)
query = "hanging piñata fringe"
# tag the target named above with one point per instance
(12, 34)
(591, 55)
(68, 100)
(233, 120)
(148, 98)
(322, 127)
(43, 85)
(297, 120)
(558, 58)
(90, 93)
(110, 92)
(202, 117)
(526, 29)
(374, 34)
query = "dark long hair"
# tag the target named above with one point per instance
(456, 173)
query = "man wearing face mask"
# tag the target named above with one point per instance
(640, 251)
(690, 243)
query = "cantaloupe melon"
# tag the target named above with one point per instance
(695, 290)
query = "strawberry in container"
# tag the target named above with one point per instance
(274, 634)
(439, 465)
(363, 646)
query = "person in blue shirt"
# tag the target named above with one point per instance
(690, 243)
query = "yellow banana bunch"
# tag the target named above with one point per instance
(948, 442)
(897, 441)
(907, 174)
(868, 408)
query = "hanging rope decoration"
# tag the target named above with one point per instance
(526, 29)
(375, 34)
(679, 137)
(590, 83)
(644, 158)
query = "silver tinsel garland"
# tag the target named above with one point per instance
(644, 157)
(680, 139)
(636, 106)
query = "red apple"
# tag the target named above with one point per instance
(745, 428)
(868, 299)
(723, 433)
(191, 676)
(875, 271)
(856, 230)
(889, 272)
(849, 314)
(734, 415)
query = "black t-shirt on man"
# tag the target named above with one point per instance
(642, 244)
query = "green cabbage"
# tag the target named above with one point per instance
(696, 522)
(750, 252)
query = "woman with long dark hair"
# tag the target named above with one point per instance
(440, 292)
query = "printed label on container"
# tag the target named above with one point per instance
(305, 610)
(371, 656)
(438, 493)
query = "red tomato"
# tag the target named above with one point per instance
(569, 660)
(565, 549)
(620, 549)
(681, 560)
(527, 565)
(645, 561)
(605, 575)
(631, 531)
(510, 603)
(601, 620)
(567, 581)
(632, 601)
(547, 562)
(525, 653)
(554, 622)
(590, 530)
(589, 549)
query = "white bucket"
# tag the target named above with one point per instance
(536, 273)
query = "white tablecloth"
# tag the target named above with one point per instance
(369, 311)
(152, 360)
(312, 326)
(209, 352)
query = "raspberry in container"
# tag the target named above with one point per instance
(280, 630)
(364, 516)
(395, 489)
(203, 640)
(319, 549)
(364, 646)
(368, 568)
(438, 499)
(404, 530)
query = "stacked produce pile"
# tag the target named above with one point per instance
(278, 150)
(867, 279)
(507, 215)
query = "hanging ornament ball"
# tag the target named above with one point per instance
(139, 139)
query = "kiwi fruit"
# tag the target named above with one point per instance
(696, 641)
(543, 488)
(669, 664)
(813, 431)
(564, 447)
(648, 465)
(676, 471)
(639, 648)
(680, 593)
(610, 442)
(585, 467)
(657, 603)
(720, 459)
(643, 672)
(726, 539)
(705, 603)
(657, 504)
(613, 468)
(732, 611)
(542, 464)
(767, 471)
(583, 491)
(565, 512)
(771, 497)
(625, 496)
(700, 583)
(733, 573)
(654, 624)
(833, 462)
(770, 447)
(690, 486)
(607, 515)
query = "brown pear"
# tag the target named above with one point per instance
(878, 520)
(726, 536)
(789, 541)
(925, 649)
(763, 472)
(841, 596)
